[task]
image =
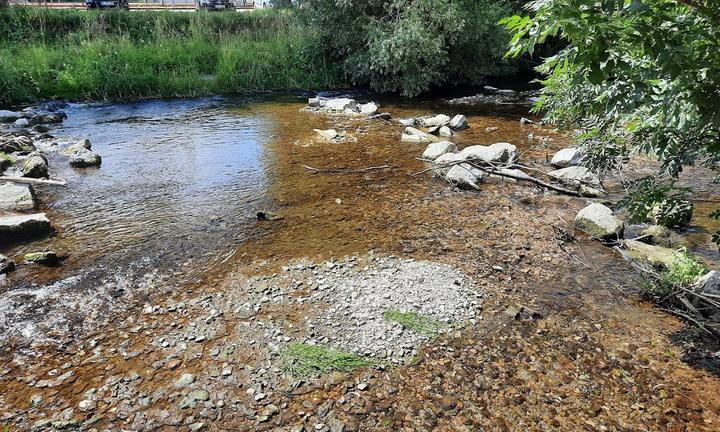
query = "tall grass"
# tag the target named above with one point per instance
(122, 55)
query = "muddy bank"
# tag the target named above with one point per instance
(558, 342)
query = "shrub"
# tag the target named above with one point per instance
(683, 271)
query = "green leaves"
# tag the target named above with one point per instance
(642, 72)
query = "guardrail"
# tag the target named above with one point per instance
(168, 5)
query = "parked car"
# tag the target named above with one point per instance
(263, 4)
(215, 5)
(103, 4)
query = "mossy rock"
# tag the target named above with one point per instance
(43, 258)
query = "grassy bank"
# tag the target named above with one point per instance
(119, 55)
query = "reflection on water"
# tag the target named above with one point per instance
(178, 178)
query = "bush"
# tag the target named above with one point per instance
(408, 46)
(684, 271)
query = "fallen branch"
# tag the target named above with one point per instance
(33, 181)
(495, 171)
(347, 170)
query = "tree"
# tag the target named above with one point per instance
(635, 75)
(407, 46)
(4, 4)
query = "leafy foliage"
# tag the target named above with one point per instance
(658, 200)
(683, 271)
(407, 46)
(645, 73)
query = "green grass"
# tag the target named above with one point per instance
(119, 55)
(306, 361)
(415, 322)
(683, 271)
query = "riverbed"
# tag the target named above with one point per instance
(168, 273)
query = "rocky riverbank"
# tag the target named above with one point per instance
(421, 307)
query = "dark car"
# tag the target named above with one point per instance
(103, 4)
(215, 5)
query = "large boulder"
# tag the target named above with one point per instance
(407, 121)
(433, 121)
(599, 221)
(24, 226)
(15, 196)
(459, 122)
(464, 176)
(435, 150)
(658, 256)
(498, 153)
(416, 135)
(576, 176)
(84, 159)
(444, 162)
(567, 157)
(47, 118)
(35, 166)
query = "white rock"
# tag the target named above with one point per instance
(437, 149)
(575, 175)
(340, 104)
(567, 157)
(416, 135)
(86, 405)
(327, 134)
(407, 121)
(445, 132)
(437, 120)
(464, 176)
(495, 153)
(21, 122)
(599, 221)
(459, 122)
(369, 108)
(15, 196)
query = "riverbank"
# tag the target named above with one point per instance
(540, 332)
(120, 55)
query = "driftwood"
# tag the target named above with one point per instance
(347, 170)
(491, 169)
(33, 181)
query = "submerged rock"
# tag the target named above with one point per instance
(495, 154)
(416, 135)
(327, 134)
(464, 176)
(6, 264)
(567, 157)
(24, 226)
(435, 150)
(35, 166)
(85, 158)
(15, 196)
(265, 215)
(599, 221)
(576, 176)
(44, 258)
